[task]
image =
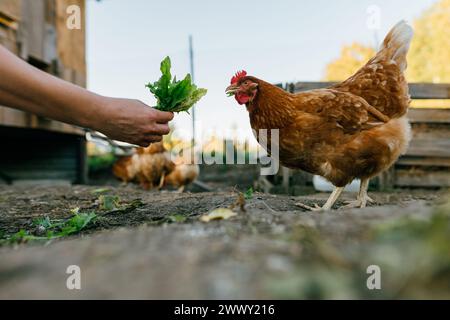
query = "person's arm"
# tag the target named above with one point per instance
(26, 88)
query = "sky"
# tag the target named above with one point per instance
(278, 41)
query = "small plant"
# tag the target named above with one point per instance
(100, 190)
(53, 229)
(176, 218)
(75, 224)
(248, 194)
(108, 202)
(23, 236)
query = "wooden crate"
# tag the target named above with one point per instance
(36, 154)
(427, 161)
(10, 13)
(36, 31)
(37, 148)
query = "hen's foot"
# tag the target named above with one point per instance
(354, 204)
(327, 206)
(359, 203)
(316, 207)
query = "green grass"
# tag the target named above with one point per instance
(248, 194)
(44, 228)
(52, 229)
(172, 218)
(101, 162)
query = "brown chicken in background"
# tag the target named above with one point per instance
(148, 166)
(355, 129)
(126, 168)
(184, 174)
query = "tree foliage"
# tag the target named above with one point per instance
(428, 57)
(430, 49)
(352, 58)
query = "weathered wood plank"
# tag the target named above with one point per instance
(429, 91)
(33, 28)
(71, 46)
(423, 161)
(8, 38)
(39, 22)
(416, 115)
(431, 130)
(14, 118)
(430, 148)
(11, 9)
(416, 90)
(7, 21)
(419, 178)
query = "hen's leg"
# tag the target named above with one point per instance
(362, 198)
(330, 202)
(333, 197)
(161, 180)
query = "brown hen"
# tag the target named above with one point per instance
(355, 129)
(148, 166)
(184, 174)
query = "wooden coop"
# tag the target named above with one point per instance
(35, 148)
(427, 161)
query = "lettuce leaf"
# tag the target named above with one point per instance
(173, 95)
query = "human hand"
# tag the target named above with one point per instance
(131, 121)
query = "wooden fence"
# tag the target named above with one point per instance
(427, 161)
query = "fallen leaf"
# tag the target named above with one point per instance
(100, 190)
(218, 214)
(177, 218)
(107, 202)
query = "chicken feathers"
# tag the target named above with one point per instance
(148, 166)
(355, 129)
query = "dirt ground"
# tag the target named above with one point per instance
(275, 249)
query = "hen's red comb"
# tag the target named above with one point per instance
(239, 75)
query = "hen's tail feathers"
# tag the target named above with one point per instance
(396, 44)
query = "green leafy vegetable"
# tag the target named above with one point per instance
(61, 228)
(173, 95)
(47, 229)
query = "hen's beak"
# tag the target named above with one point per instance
(231, 90)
